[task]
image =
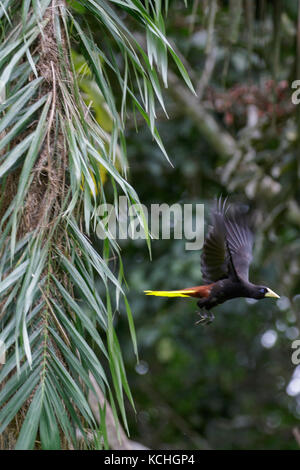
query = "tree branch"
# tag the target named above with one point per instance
(220, 140)
(117, 438)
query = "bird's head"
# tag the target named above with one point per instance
(260, 292)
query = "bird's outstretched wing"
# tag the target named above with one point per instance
(239, 241)
(214, 263)
(227, 249)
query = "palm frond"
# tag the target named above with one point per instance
(58, 295)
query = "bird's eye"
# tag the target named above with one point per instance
(262, 290)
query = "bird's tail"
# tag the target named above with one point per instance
(188, 292)
(197, 291)
(170, 293)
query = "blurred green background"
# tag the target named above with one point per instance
(231, 385)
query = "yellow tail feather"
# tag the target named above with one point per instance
(169, 293)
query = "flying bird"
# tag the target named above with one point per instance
(225, 260)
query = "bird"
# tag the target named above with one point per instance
(225, 260)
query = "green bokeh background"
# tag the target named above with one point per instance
(220, 386)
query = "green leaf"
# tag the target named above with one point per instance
(30, 425)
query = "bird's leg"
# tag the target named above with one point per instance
(203, 317)
(206, 317)
(210, 318)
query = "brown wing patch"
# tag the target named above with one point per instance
(199, 291)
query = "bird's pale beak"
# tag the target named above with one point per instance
(270, 293)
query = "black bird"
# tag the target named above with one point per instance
(225, 261)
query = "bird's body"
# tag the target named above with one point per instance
(225, 261)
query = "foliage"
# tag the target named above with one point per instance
(75, 85)
(58, 294)
(227, 386)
